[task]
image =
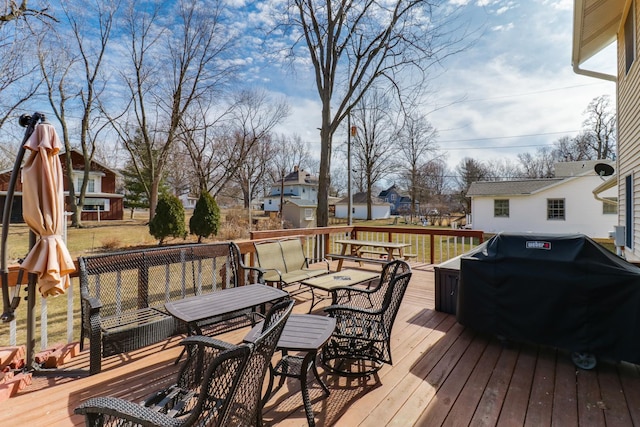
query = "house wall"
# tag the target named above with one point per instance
(583, 213)
(105, 182)
(301, 192)
(296, 215)
(628, 163)
(360, 211)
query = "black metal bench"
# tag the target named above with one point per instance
(123, 293)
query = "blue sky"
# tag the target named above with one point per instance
(512, 92)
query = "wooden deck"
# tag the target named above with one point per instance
(443, 374)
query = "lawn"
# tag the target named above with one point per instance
(106, 236)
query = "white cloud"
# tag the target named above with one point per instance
(516, 84)
(506, 27)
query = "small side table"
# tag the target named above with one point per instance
(329, 282)
(306, 334)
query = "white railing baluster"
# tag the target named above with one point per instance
(44, 322)
(13, 332)
(70, 295)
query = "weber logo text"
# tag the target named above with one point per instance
(534, 244)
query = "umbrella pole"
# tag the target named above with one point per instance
(31, 312)
(30, 123)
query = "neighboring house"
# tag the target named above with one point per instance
(565, 204)
(299, 213)
(298, 185)
(101, 201)
(379, 208)
(597, 24)
(400, 203)
(188, 200)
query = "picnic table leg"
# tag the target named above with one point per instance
(341, 260)
(390, 254)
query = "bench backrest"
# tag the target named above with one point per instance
(269, 255)
(128, 280)
(293, 254)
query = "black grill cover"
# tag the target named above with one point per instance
(564, 291)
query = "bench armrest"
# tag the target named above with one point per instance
(93, 303)
(260, 272)
(265, 270)
(314, 260)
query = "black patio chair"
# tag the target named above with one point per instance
(219, 384)
(360, 344)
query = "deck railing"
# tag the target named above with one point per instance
(431, 246)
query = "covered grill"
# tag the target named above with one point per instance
(565, 291)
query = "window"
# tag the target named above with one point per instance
(501, 208)
(308, 214)
(91, 185)
(95, 205)
(610, 208)
(630, 38)
(555, 209)
(392, 197)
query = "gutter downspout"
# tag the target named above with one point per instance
(595, 74)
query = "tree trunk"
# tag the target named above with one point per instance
(153, 200)
(324, 180)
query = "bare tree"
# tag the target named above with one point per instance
(502, 169)
(361, 43)
(175, 60)
(567, 149)
(600, 127)
(417, 144)
(469, 170)
(20, 78)
(373, 142)
(71, 65)
(289, 151)
(14, 11)
(539, 165)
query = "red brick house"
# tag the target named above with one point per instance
(101, 200)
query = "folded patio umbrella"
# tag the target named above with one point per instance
(43, 211)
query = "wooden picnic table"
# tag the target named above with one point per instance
(392, 250)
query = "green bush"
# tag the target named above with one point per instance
(205, 221)
(169, 219)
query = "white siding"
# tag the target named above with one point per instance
(583, 213)
(360, 211)
(628, 93)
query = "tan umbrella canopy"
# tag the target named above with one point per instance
(43, 211)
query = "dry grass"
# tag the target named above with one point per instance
(95, 237)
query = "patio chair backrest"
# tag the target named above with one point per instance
(245, 407)
(293, 254)
(390, 271)
(212, 393)
(270, 256)
(395, 292)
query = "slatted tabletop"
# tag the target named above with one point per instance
(199, 308)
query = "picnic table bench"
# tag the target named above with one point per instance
(390, 250)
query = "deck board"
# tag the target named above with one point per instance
(443, 374)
